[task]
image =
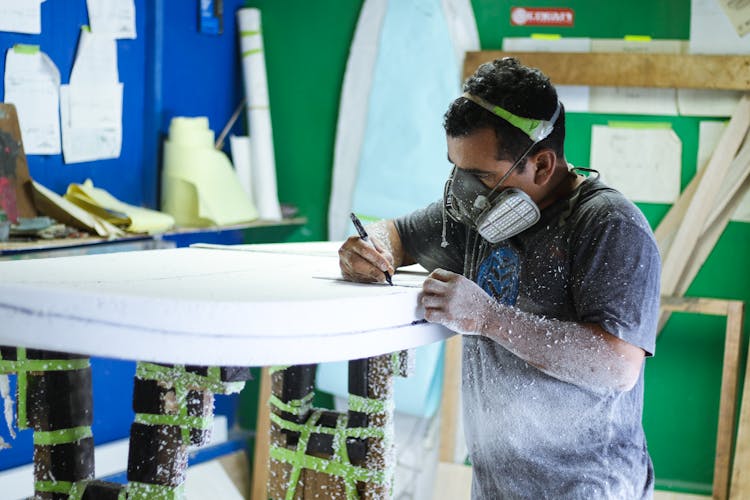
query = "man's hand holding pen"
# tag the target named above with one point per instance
(365, 261)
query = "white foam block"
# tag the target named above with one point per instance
(206, 306)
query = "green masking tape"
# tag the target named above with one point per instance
(639, 125)
(23, 48)
(42, 365)
(145, 491)
(21, 383)
(53, 486)
(277, 368)
(355, 432)
(341, 454)
(295, 406)
(77, 490)
(250, 32)
(297, 455)
(637, 38)
(181, 394)
(62, 436)
(251, 52)
(182, 382)
(339, 464)
(317, 464)
(178, 420)
(178, 376)
(21, 366)
(369, 406)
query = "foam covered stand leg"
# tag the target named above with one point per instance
(55, 400)
(174, 410)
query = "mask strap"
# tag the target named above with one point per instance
(510, 171)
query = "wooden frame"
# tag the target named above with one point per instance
(259, 479)
(686, 71)
(450, 402)
(725, 433)
(734, 311)
(740, 485)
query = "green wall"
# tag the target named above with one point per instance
(306, 48)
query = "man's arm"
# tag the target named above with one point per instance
(579, 353)
(359, 261)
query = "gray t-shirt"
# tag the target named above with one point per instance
(591, 258)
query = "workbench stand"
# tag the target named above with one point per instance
(316, 452)
(173, 407)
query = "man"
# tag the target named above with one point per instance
(553, 281)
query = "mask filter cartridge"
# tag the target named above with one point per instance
(512, 212)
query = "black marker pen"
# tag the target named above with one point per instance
(366, 238)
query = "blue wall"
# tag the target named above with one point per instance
(169, 70)
(124, 176)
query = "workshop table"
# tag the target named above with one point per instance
(195, 319)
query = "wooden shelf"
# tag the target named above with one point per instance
(142, 241)
(719, 72)
(295, 221)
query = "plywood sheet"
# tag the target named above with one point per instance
(206, 306)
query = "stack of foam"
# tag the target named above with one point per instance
(688, 233)
(199, 186)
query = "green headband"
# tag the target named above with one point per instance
(537, 130)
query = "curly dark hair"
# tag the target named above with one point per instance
(523, 91)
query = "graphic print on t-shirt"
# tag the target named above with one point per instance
(498, 275)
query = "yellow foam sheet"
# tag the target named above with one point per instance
(104, 205)
(201, 187)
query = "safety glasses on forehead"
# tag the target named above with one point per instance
(537, 130)
(496, 216)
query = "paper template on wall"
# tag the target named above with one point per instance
(112, 18)
(707, 102)
(86, 144)
(739, 15)
(31, 83)
(91, 105)
(21, 16)
(262, 161)
(199, 186)
(709, 135)
(642, 163)
(635, 100)
(711, 31)
(575, 98)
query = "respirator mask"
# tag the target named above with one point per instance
(496, 215)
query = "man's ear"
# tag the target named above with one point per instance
(544, 164)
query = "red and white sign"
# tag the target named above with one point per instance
(547, 16)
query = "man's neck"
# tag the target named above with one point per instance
(564, 181)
